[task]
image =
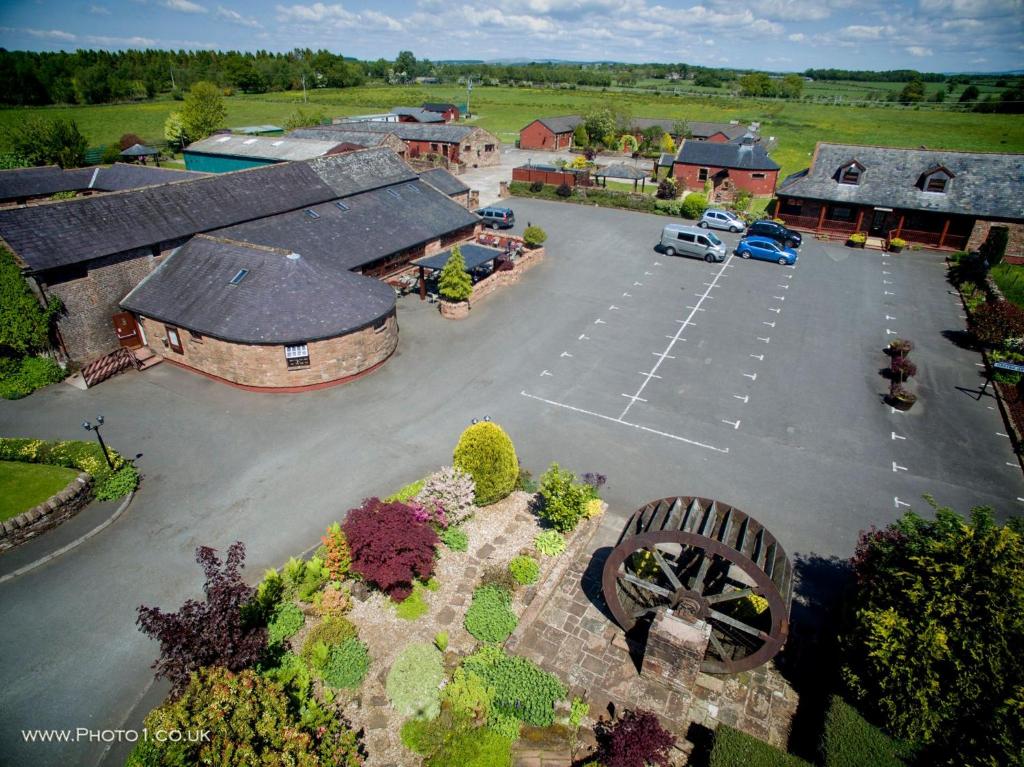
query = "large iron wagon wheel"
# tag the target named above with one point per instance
(702, 558)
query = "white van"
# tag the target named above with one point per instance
(691, 241)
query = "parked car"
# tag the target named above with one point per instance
(722, 219)
(691, 241)
(782, 235)
(497, 218)
(766, 249)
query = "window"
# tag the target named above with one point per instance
(312, 213)
(703, 241)
(850, 174)
(488, 147)
(297, 356)
(757, 175)
(702, 174)
(239, 276)
(685, 237)
(842, 214)
(341, 205)
(433, 147)
(197, 337)
(936, 183)
(173, 339)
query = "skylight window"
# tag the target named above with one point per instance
(276, 143)
(394, 194)
(249, 141)
(222, 139)
(239, 276)
(312, 213)
(413, 188)
(341, 205)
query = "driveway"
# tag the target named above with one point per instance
(607, 357)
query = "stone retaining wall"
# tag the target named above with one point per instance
(494, 282)
(48, 514)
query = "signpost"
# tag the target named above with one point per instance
(1009, 367)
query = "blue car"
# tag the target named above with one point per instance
(765, 249)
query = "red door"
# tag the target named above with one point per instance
(127, 330)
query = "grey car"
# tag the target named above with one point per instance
(716, 218)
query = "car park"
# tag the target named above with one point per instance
(766, 249)
(783, 235)
(497, 218)
(716, 218)
(691, 241)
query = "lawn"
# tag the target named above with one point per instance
(502, 110)
(24, 485)
(1010, 279)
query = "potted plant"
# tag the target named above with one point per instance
(900, 398)
(857, 239)
(897, 244)
(901, 347)
(902, 369)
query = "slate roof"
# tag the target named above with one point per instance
(704, 129)
(437, 106)
(473, 255)
(725, 155)
(418, 114)
(984, 184)
(257, 129)
(282, 300)
(20, 183)
(443, 181)
(139, 150)
(278, 149)
(445, 133)
(61, 233)
(341, 136)
(564, 124)
(376, 224)
(665, 160)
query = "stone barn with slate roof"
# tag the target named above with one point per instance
(358, 213)
(348, 140)
(938, 198)
(457, 144)
(23, 186)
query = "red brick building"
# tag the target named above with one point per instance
(450, 112)
(730, 167)
(550, 133)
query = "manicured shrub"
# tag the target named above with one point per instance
(287, 620)
(452, 489)
(333, 600)
(550, 543)
(455, 539)
(331, 632)
(482, 747)
(636, 739)
(693, 206)
(534, 236)
(732, 748)
(994, 247)
(667, 189)
(468, 696)
(347, 664)
(848, 740)
(441, 640)
(996, 321)
(74, 454)
(563, 500)
(564, 190)
(390, 548)
(413, 606)
(212, 632)
(525, 570)
(413, 682)
(490, 617)
(248, 720)
(580, 137)
(19, 378)
(486, 453)
(930, 637)
(117, 484)
(336, 556)
(454, 282)
(537, 186)
(521, 689)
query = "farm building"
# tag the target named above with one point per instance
(380, 117)
(224, 152)
(20, 186)
(730, 167)
(363, 212)
(719, 133)
(417, 115)
(938, 198)
(446, 183)
(458, 145)
(260, 130)
(450, 112)
(551, 133)
(347, 140)
(555, 133)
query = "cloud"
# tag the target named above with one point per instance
(120, 42)
(917, 50)
(184, 6)
(236, 18)
(859, 32)
(99, 10)
(44, 34)
(797, 37)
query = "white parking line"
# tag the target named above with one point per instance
(887, 293)
(612, 308)
(899, 503)
(627, 295)
(663, 356)
(784, 287)
(649, 430)
(675, 339)
(648, 274)
(693, 307)
(775, 309)
(751, 376)
(638, 284)
(566, 354)
(733, 424)
(657, 263)
(766, 340)
(897, 436)
(896, 467)
(888, 317)
(545, 373)
(769, 324)
(1000, 434)
(644, 373)
(779, 298)
(600, 322)
(890, 332)
(634, 397)
(759, 357)
(583, 337)
(744, 397)
(886, 282)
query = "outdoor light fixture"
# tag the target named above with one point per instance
(474, 422)
(487, 418)
(96, 428)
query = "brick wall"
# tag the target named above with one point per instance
(688, 177)
(264, 366)
(537, 136)
(1015, 245)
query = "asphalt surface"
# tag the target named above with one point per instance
(791, 429)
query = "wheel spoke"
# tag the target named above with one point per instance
(739, 625)
(646, 585)
(672, 578)
(726, 596)
(717, 644)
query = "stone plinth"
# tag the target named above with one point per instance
(675, 649)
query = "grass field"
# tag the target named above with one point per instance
(1010, 279)
(24, 485)
(796, 125)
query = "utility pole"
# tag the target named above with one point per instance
(172, 78)
(304, 98)
(469, 92)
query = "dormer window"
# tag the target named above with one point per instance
(936, 183)
(850, 173)
(936, 180)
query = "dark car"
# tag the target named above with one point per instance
(766, 228)
(497, 218)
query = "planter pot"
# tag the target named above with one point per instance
(895, 248)
(899, 403)
(852, 244)
(454, 311)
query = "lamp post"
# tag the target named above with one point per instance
(96, 428)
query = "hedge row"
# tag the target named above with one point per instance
(76, 454)
(733, 748)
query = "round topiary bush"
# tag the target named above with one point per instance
(534, 236)
(486, 453)
(525, 570)
(537, 186)
(413, 681)
(693, 206)
(490, 617)
(564, 190)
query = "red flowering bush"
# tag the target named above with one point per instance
(994, 322)
(390, 546)
(636, 739)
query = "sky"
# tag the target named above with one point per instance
(780, 35)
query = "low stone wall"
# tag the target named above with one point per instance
(491, 284)
(48, 514)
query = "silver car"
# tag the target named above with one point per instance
(722, 219)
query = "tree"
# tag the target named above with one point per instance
(174, 131)
(213, 632)
(580, 137)
(913, 91)
(25, 326)
(792, 86)
(48, 142)
(454, 283)
(667, 144)
(932, 633)
(756, 84)
(203, 111)
(405, 65)
(302, 118)
(128, 140)
(599, 123)
(971, 93)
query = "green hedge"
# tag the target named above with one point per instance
(21, 377)
(849, 740)
(733, 748)
(76, 454)
(600, 197)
